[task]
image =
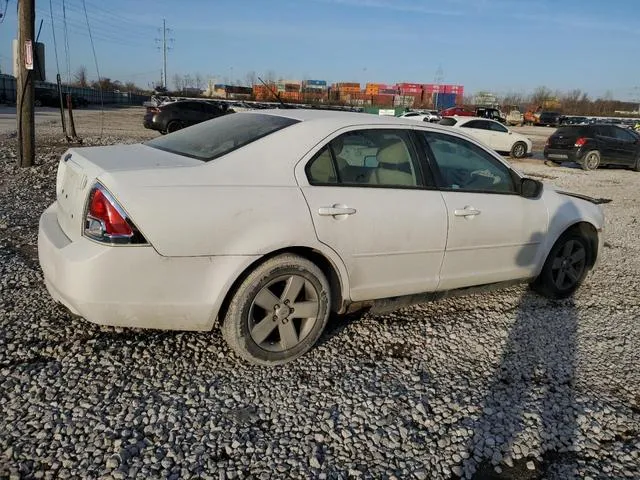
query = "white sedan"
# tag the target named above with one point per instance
(493, 134)
(263, 223)
(423, 116)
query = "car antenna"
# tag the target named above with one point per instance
(275, 94)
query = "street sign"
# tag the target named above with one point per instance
(28, 55)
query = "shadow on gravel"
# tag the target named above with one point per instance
(528, 425)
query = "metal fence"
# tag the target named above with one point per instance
(8, 93)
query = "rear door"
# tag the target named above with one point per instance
(607, 143)
(494, 233)
(372, 203)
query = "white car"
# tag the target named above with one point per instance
(423, 116)
(493, 134)
(265, 222)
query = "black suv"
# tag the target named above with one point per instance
(551, 119)
(594, 145)
(182, 113)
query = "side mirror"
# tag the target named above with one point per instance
(530, 188)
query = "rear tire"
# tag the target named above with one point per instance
(262, 325)
(519, 150)
(591, 160)
(636, 166)
(566, 267)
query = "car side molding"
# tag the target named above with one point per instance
(388, 305)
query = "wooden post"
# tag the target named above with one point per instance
(25, 91)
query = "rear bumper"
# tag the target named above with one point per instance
(133, 286)
(564, 155)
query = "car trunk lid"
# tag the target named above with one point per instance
(79, 169)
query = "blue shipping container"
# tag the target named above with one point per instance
(444, 100)
(316, 82)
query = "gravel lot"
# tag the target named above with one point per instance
(504, 385)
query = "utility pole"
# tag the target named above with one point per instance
(165, 48)
(25, 91)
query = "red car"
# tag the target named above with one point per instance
(461, 112)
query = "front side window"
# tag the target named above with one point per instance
(467, 167)
(377, 157)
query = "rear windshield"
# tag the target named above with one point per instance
(572, 131)
(449, 122)
(215, 138)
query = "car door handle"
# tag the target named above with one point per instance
(466, 212)
(335, 210)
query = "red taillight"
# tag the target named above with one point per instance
(153, 110)
(580, 142)
(106, 221)
(102, 209)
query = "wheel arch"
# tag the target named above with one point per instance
(334, 271)
(585, 228)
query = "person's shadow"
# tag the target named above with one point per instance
(528, 425)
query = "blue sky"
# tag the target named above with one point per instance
(497, 45)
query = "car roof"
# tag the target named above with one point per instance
(462, 119)
(337, 119)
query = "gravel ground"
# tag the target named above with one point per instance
(502, 385)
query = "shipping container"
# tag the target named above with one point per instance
(409, 85)
(388, 91)
(444, 100)
(382, 100)
(409, 90)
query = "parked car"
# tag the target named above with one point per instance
(423, 116)
(493, 134)
(265, 222)
(549, 119)
(491, 113)
(515, 117)
(457, 111)
(593, 145)
(173, 116)
(575, 121)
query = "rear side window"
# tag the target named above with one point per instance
(215, 138)
(449, 122)
(572, 132)
(383, 158)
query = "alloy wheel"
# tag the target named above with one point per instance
(283, 313)
(569, 265)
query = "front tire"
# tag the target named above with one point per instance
(566, 267)
(636, 166)
(174, 126)
(591, 160)
(278, 312)
(519, 150)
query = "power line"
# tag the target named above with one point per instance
(66, 42)
(79, 27)
(95, 59)
(53, 32)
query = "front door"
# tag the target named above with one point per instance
(494, 233)
(372, 203)
(627, 146)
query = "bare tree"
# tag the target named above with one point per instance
(80, 77)
(540, 95)
(270, 76)
(188, 81)
(178, 83)
(251, 78)
(198, 81)
(130, 87)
